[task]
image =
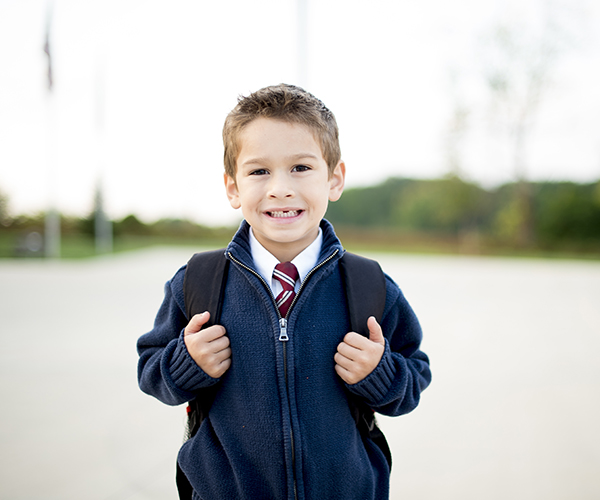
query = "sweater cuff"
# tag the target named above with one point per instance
(185, 373)
(375, 386)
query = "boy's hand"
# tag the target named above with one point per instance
(357, 356)
(209, 348)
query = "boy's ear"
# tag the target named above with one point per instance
(233, 195)
(336, 182)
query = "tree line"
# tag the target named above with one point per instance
(449, 213)
(553, 215)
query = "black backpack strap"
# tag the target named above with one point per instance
(203, 290)
(364, 282)
(204, 284)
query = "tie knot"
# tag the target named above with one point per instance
(287, 274)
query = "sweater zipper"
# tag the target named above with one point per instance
(283, 338)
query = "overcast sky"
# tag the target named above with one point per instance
(141, 89)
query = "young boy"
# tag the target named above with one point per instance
(284, 365)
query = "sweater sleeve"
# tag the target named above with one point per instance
(395, 386)
(165, 368)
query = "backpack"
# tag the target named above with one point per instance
(364, 283)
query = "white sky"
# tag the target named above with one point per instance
(170, 72)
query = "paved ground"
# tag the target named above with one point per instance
(512, 414)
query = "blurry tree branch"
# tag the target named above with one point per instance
(519, 61)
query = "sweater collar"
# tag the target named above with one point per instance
(240, 244)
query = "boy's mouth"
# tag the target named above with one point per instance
(284, 214)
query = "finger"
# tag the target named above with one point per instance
(219, 344)
(342, 372)
(218, 367)
(213, 333)
(375, 332)
(354, 339)
(342, 361)
(346, 375)
(348, 351)
(222, 368)
(196, 323)
(222, 356)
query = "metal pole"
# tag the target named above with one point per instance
(52, 220)
(102, 225)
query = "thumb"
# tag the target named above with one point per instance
(375, 332)
(196, 323)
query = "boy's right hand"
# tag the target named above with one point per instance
(209, 348)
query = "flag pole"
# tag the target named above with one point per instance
(52, 219)
(102, 224)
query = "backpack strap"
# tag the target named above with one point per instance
(204, 284)
(203, 290)
(364, 283)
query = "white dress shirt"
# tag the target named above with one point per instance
(265, 261)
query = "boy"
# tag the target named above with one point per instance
(283, 362)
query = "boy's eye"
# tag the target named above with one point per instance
(259, 171)
(301, 168)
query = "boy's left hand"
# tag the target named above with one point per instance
(357, 356)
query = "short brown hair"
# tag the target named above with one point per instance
(287, 103)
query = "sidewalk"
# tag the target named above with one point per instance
(513, 410)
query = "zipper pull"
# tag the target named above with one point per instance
(283, 336)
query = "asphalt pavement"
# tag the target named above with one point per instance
(512, 412)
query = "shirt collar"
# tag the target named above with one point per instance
(265, 261)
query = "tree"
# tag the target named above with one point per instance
(4, 213)
(519, 61)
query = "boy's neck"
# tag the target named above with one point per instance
(283, 254)
(286, 252)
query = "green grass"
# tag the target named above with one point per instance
(373, 240)
(78, 246)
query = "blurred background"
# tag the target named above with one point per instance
(469, 126)
(471, 134)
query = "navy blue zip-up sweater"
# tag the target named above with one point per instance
(281, 426)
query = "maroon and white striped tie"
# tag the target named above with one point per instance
(287, 274)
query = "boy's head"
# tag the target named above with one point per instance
(286, 103)
(282, 166)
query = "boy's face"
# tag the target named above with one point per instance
(282, 185)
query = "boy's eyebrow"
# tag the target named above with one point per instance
(295, 157)
(299, 156)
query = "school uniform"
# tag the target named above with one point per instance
(281, 426)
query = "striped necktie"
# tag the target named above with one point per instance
(287, 274)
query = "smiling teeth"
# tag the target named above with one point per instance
(291, 213)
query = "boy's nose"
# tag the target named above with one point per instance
(281, 186)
